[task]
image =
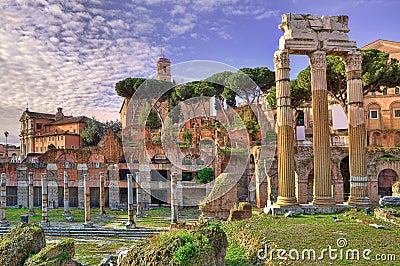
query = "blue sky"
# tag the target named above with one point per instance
(71, 53)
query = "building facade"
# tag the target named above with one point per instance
(39, 131)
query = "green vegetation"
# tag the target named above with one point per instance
(187, 137)
(94, 130)
(310, 232)
(205, 175)
(200, 246)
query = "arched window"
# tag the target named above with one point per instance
(376, 139)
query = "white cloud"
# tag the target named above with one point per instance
(73, 52)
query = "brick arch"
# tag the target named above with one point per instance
(386, 178)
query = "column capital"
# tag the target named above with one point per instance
(353, 61)
(318, 60)
(281, 59)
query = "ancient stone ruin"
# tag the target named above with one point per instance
(318, 37)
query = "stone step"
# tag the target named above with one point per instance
(137, 233)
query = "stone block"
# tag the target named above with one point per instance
(390, 201)
(396, 189)
(19, 243)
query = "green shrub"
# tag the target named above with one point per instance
(205, 175)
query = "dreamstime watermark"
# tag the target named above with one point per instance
(339, 252)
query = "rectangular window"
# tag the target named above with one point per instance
(373, 114)
(38, 126)
(62, 137)
(397, 113)
(72, 147)
(384, 91)
(397, 90)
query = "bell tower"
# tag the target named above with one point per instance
(163, 68)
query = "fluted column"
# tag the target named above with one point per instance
(357, 145)
(86, 200)
(139, 212)
(131, 221)
(102, 196)
(174, 200)
(66, 195)
(322, 164)
(30, 194)
(286, 176)
(45, 201)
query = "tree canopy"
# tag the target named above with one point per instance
(94, 130)
(378, 71)
(127, 87)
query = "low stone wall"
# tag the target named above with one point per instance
(221, 199)
(243, 211)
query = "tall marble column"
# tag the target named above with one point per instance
(357, 145)
(30, 194)
(131, 220)
(3, 198)
(286, 176)
(174, 200)
(102, 196)
(66, 195)
(322, 164)
(86, 200)
(45, 201)
(139, 210)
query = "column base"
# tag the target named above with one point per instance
(286, 202)
(88, 224)
(130, 225)
(31, 213)
(323, 201)
(44, 224)
(359, 201)
(102, 213)
(66, 213)
(4, 223)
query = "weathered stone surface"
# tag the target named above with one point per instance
(388, 215)
(305, 33)
(396, 189)
(390, 201)
(203, 246)
(220, 200)
(19, 242)
(241, 212)
(59, 254)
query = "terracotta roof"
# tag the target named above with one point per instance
(39, 115)
(67, 120)
(390, 47)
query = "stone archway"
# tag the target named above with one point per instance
(386, 179)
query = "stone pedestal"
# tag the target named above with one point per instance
(3, 198)
(82, 170)
(357, 144)
(52, 184)
(102, 195)
(321, 136)
(66, 195)
(30, 194)
(131, 221)
(113, 188)
(86, 200)
(45, 221)
(22, 196)
(285, 147)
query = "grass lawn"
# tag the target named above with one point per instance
(316, 232)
